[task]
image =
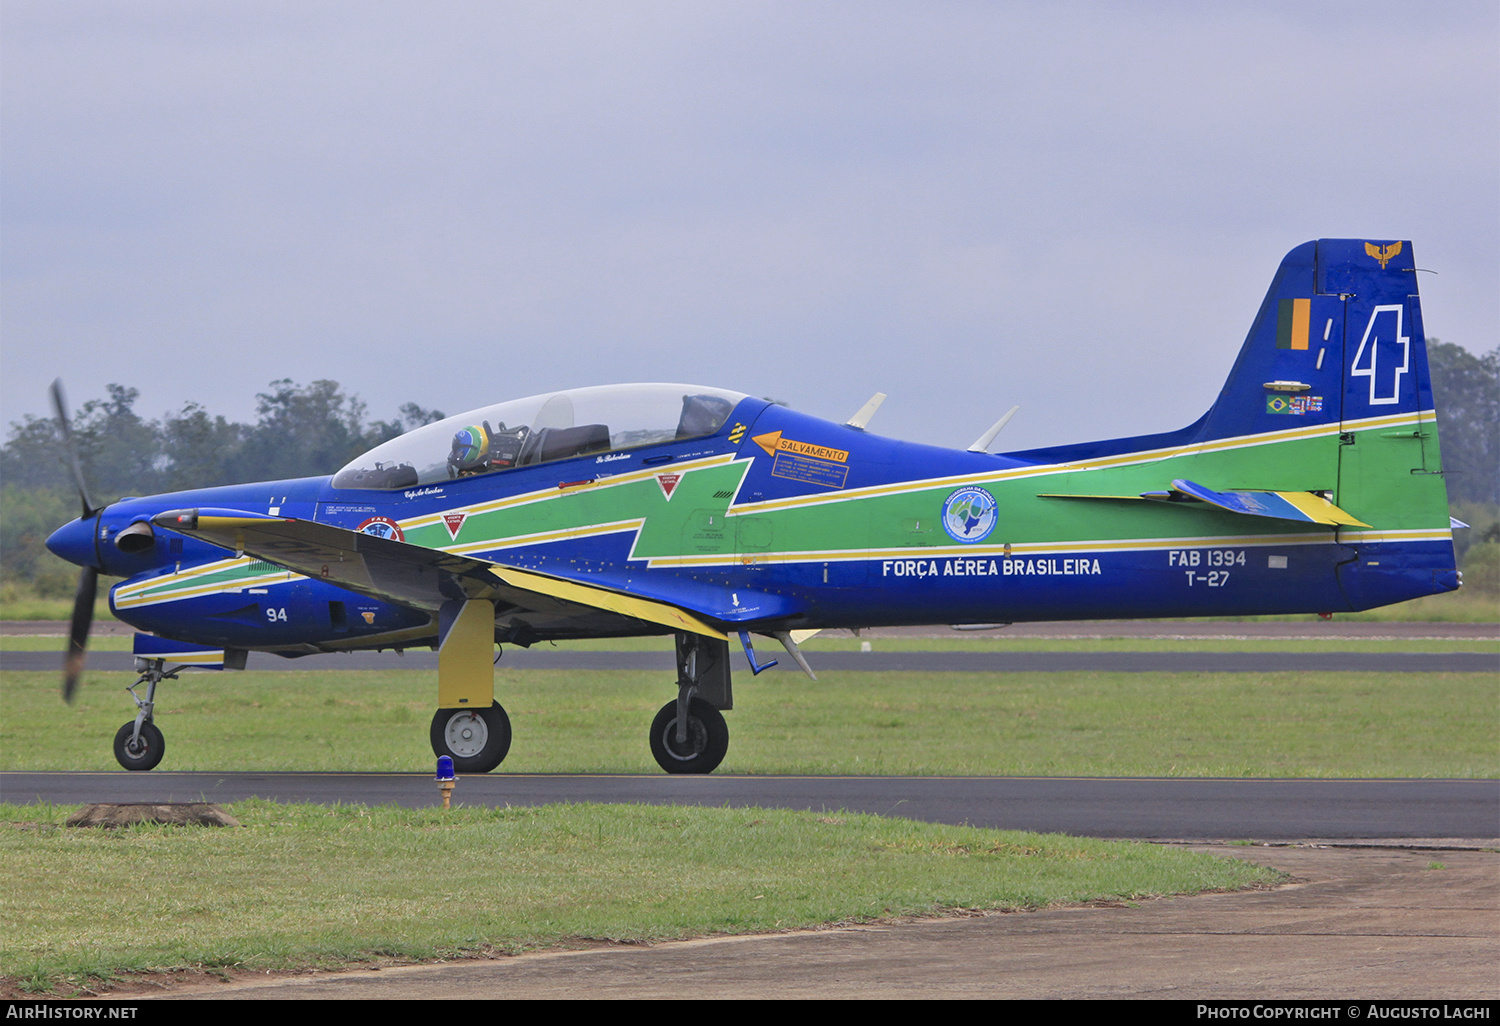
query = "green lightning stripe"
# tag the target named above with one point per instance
(223, 575)
(1099, 463)
(547, 494)
(544, 537)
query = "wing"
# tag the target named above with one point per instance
(423, 578)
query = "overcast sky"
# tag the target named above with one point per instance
(1073, 207)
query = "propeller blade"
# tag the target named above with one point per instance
(78, 631)
(60, 406)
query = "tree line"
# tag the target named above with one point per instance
(1466, 391)
(300, 431)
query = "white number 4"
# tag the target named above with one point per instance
(1380, 364)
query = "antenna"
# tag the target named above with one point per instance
(982, 443)
(860, 419)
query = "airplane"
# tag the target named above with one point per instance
(1313, 483)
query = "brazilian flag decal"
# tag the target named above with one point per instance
(1294, 405)
(1292, 319)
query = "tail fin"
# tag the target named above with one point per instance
(1338, 340)
(1337, 345)
(1337, 356)
(1330, 394)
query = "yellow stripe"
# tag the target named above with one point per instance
(192, 573)
(1378, 536)
(613, 601)
(1319, 509)
(1311, 537)
(222, 522)
(138, 596)
(194, 658)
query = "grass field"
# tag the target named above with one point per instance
(314, 885)
(1109, 724)
(301, 886)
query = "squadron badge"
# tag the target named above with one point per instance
(969, 515)
(382, 527)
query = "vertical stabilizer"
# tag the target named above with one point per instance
(1335, 367)
(1330, 395)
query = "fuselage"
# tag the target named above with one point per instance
(778, 520)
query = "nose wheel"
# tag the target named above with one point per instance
(704, 745)
(477, 740)
(139, 751)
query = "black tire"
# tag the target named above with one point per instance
(146, 753)
(477, 740)
(707, 743)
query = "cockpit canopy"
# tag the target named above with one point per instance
(540, 429)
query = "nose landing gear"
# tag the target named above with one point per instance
(139, 744)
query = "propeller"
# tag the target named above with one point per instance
(78, 631)
(88, 577)
(60, 407)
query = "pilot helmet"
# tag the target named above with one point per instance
(471, 446)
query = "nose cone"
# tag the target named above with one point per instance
(74, 541)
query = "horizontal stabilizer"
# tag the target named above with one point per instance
(1304, 507)
(1307, 507)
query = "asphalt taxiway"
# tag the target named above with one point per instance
(1151, 809)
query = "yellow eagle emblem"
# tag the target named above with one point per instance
(1383, 253)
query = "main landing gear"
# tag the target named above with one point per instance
(689, 735)
(477, 740)
(139, 744)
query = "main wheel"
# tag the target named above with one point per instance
(145, 753)
(707, 738)
(476, 739)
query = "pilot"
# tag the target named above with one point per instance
(471, 451)
(479, 448)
